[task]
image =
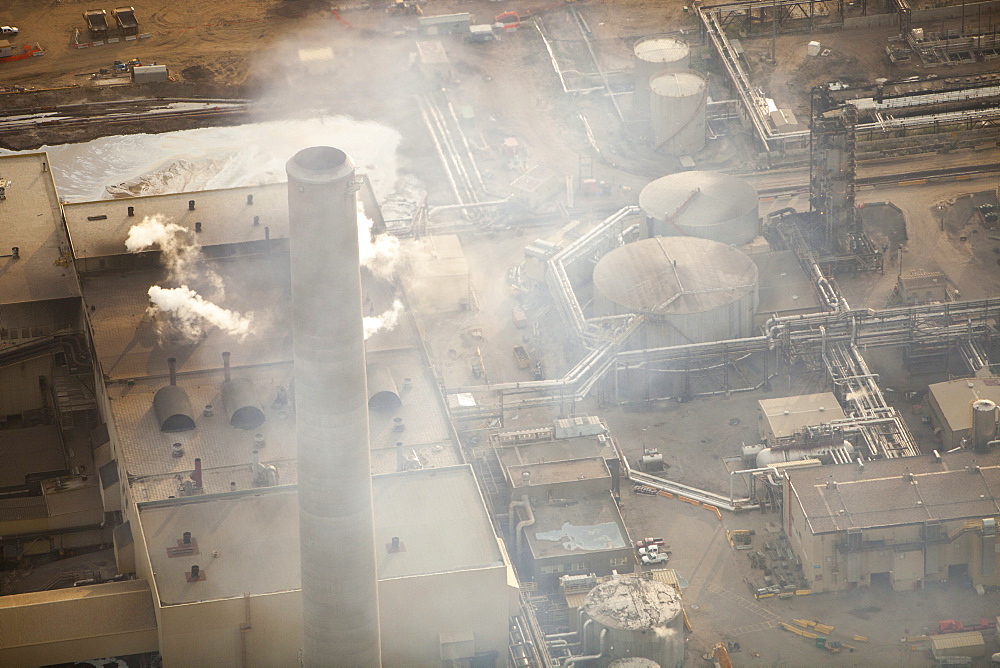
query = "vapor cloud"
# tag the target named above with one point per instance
(192, 312)
(386, 321)
(380, 255)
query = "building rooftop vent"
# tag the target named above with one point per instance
(171, 404)
(239, 397)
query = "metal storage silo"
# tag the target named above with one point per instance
(633, 617)
(709, 205)
(677, 111)
(652, 55)
(691, 290)
(984, 423)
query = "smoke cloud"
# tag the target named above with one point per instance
(180, 252)
(385, 321)
(380, 255)
(192, 311)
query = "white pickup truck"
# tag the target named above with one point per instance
(8, 31)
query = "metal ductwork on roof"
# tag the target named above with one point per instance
(172, 406)
(382, 392)
(239, 398)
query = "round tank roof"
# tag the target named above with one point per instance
(677, 84)
(674, 275)
(693, 199)
(633, 604)
(633, 662)
(661, 50)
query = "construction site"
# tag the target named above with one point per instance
(500, 333)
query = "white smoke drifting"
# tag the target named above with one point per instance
(180, 252)
(154, 230)
(385, 321)
(191, 311)
(379, 255)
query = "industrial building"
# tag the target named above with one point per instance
(903, 523)
(951, 407)
(195, 465)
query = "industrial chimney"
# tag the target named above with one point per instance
(336, 525)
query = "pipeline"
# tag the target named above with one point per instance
(441, 156)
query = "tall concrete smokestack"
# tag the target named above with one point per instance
(336, 525)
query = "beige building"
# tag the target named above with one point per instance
(781, 417)
(438, 280)
(227, 594)
(950, 405)
(900, 523)
(195, 465)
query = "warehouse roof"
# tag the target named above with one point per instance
(70, 614)
(31, 220)
(438, 515)
(964, 485)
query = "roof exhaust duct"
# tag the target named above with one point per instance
(171, 404)
(336, 527)
(239, 398)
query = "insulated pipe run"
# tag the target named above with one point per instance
(523, 524)
(573, 660)
(340, 624)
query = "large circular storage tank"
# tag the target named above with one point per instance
(677, 111)
(702, 204)
(691, 290)
(638, 618)
(652, 55)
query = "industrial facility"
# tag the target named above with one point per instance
(634, 336)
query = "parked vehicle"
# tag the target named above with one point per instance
(8, 31)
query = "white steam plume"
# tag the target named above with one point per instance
(381, 254)
(154, 230)
(192, 311)
(386, 321)
(180, 252)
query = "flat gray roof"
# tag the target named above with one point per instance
(132, 344)
(587, 525)
(224, 215)
(555, 450)
(255, 534)
(438, 515)
(440, 519)
(31, 219)
(786, 414)
(880, 495)
(556, 472)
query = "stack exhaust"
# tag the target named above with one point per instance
(336, 524)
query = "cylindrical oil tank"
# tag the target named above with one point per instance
(677, 111)
(709, 205)
(690, 290)
(637, 617)
(652, 55)
(769, 456)
(984, 423)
